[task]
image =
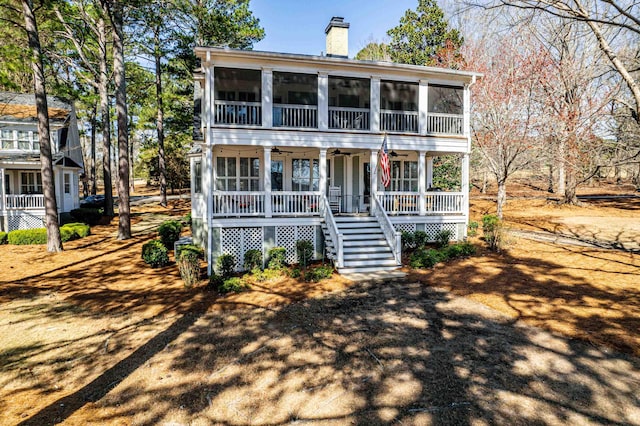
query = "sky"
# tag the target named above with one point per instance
(297, 26)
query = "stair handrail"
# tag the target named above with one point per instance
(393, 237)
(332, 226)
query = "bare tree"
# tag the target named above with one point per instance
(54, 242)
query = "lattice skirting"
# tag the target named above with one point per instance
(24, 220)
(237, 241)
(431, 229)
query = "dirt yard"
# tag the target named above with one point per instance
(93, 336)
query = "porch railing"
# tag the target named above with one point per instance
(336, 237)
(238, 203)
(399, 121)
(285, 115)
(444, 202)
(449, 124)
(392, 236)
(348, 118)
(298, 203)
(397, 203)
(24, 202)
(242, 113)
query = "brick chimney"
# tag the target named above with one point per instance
(337, 37)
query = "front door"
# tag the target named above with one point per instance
(67, 191)
(366, 186)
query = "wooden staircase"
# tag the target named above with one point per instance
(365, 249)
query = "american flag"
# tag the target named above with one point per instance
(384, 163)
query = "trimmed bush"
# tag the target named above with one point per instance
(197, 250)
(295, 273)
(472, 229)
(169, 232)
(277, 257)
(455, 251)
(492, 230)
(305, 251)
(408, 240)
(27, 236)
(422, 258)
(266, 275)
(90, 216)
(189, 266)
(80, 230)
(252, 259)
(155, 254)
(3, 238)
(233, 285)
(420, 238)
(319, 273)
(443, 237)
(226, 265)
(215, 281)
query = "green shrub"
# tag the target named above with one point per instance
(66, 217)
(443, 237)
(169, 232)
(233, 285)
(27, 236)
(155, 254)
(199, 252)
(408, 240)
(295, 273)
(252, 259)
(215, 281)
(266, 275)
(305, 251)
(90, 216)
(319, 273)
(277, 258)
(420, 238)
(226, 265)
(423, 258)
(493, 232)
(186, 220)
(79, 230)
(189, 266)
(3, 238)
(472, 229)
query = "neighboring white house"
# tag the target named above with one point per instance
(21, 199)
(288, 149)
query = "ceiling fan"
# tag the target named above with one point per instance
(276, 150)
(395, 154)
(338, 152)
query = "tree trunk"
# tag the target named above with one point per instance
(162, 168)
(550, 187)
(124, 212)
(106, 119)
(94, 120)
(54, 242)
(502, 197)
(571, 187)
(562, 169)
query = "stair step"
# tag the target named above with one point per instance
(365, 237)
(354, 225)
(375, 230)
(372, 262)
(365, 256)
(365, 243)
(366, 249)
(355, 219)
(355, 270)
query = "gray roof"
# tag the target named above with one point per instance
(29, 99)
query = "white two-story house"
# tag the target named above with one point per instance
(21, 198)
(287, 148)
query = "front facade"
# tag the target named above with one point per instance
(289, 146)
(21, 195)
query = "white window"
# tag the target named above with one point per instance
(67, 183)
(6, 138)
(24, 140)
(304, 177)
(30, 183)
(7, 184)
(197, 177)
(404, 176)
(237, 174)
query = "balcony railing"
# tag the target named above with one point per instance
(283, 203)
(301, 116)
(399, 121)
(408, 203)
(447, 124)
(241, 113)
(25, 202)
(348, 118)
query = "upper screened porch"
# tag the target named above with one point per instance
(243, 89)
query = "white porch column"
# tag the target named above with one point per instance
(267, 97)
(208, 174)
(466, 110)
(3, 195)
(209, 98)
(373, 168)
(323, 172)
(423, 107)
(465, 190)
(323, 101)
(421, 182)
(268, 210)
(374, 102)
(429, 172)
